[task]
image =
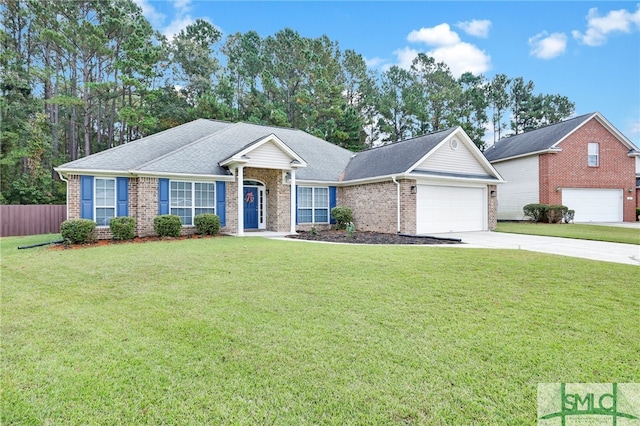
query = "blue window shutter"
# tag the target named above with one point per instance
(86, 197)
(332, 202)
(163, 196)
(122, 184)
(296, 204)
(221, 202)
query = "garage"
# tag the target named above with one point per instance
(450, 209)
(594, 205)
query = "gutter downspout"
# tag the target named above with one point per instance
(398, 199)
(67, 191)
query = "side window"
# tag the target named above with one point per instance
(594, 154)
(105, 201)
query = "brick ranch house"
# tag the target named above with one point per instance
(583, 163)
(258, 177)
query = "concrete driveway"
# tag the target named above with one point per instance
(594, 250)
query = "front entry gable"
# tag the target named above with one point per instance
(269, 152)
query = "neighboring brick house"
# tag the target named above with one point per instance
(583, 163)
(249, 174)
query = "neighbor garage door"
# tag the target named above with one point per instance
(594, 205)
(450, 209)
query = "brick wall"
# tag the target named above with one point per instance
(73, 197)
(569, 168)
(375, 207)
(408, 207)
(144, 190)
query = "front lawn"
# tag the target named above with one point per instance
(612, 234)
(255, 331)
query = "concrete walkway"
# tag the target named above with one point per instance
(595, 250)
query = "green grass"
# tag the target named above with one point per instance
(612, 234)
(255, 331)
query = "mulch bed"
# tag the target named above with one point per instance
(137, 240)
(326, 236)
(370, 238)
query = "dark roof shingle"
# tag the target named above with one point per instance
(535, 140)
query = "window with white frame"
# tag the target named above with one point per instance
(594, 154)
(105, 201)
(189, 199)
(313, 204)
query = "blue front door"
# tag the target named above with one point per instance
(251, 208)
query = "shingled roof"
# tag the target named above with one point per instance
(394, 158)
(534, 141)
(199, 147)
(196, 148)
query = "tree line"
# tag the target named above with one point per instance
(82, 76)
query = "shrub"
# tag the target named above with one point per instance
(342, 215)
(122, 228)
(537, 212)
(556, 213)
(545, 213)
(207, 223)
(638, 214)
(78, 231)
(167, 225)
(351, 229)
(569, 215)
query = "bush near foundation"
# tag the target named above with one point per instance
(78, 231)
(547, 214)
(122, 228)
(207, 223)
(342, 215)
(167, 225)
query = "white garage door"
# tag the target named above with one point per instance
(450, 209)
(594, 205)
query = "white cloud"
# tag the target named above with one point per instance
(182, 6)
(599, 27)
(176, 25)
(153, 16)
(461, 58)
(476, 27)
(373, 62)
(405, 57)
(548, 46)
(440, 35)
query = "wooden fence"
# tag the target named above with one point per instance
(31, 219)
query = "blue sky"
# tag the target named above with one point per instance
(587, 51)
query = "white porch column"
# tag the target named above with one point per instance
(293, 201)
(240, 176)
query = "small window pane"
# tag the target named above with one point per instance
(305, 197)
(305, 216)
(104, 216)
(181, 194)
(204, 195)
(321, 198)
(185, 215)
(322, 216)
